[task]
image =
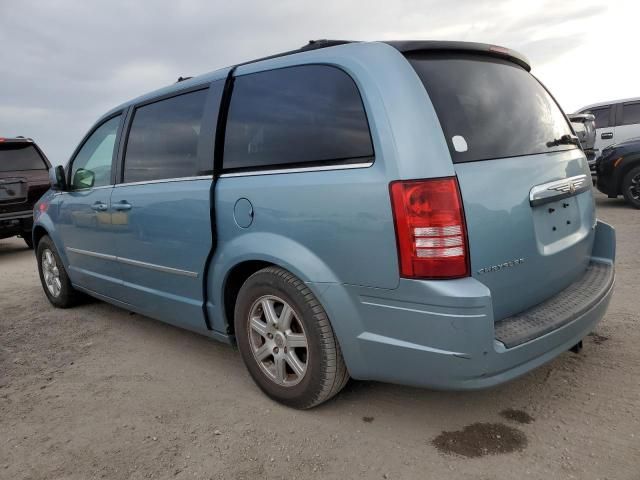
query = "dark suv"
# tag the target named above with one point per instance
(24, 178)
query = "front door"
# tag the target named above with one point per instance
(85, 218)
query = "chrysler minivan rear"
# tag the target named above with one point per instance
(503, 263)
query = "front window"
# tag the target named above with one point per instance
(92, 165)
(602, 116)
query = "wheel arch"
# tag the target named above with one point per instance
(247, 254)
(45, 226)
(236, 277)
(38, 232)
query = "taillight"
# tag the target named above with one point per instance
(430, 229)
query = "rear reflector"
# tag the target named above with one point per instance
(430, 229)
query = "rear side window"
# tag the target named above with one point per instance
(297, 116)
(164, 139)
(630, 113)
(490, 108)
(20, 156)
(602, 116)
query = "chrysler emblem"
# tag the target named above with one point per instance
(548, 192)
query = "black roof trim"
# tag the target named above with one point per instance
(312, 45)
(413, 46)
(16, 140)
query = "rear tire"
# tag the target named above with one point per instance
(631, 187)
(286, 340)
(55, 281)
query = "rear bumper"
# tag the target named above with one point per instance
(15, 223)
(442, 334)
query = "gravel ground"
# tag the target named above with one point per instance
(96, 392)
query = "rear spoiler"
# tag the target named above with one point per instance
(414, 46)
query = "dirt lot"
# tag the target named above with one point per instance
(96, 392)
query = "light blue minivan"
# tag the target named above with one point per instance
(410, 212)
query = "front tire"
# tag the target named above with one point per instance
(55, 281)
(631, 187)
(286, 340)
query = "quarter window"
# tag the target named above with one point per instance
(297, 116)
(92, 165)
(164, 139)
(630, 113)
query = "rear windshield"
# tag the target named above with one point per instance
(490, 108)
(20, 156)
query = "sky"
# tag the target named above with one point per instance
(63, 63)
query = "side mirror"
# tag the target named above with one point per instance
(57, 178)
(83, 178)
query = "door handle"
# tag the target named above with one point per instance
(122, 206)
(99, 206)
(606, 135)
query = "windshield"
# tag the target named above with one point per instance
(490, 108)
(20, 156)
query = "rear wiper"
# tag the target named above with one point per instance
(564, 140)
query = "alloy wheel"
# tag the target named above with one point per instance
(51, 273)
(634, 187)
(278, 341)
